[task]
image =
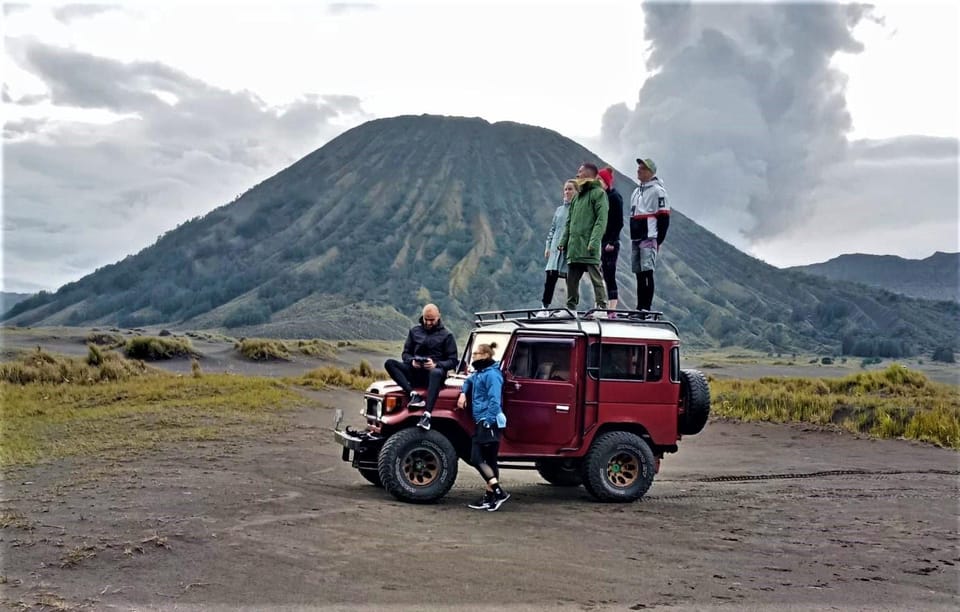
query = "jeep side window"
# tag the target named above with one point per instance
(541, 359)
(654, 363)
(619, 361)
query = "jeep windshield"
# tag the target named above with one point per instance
(484, 337)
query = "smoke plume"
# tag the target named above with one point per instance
(743, 111)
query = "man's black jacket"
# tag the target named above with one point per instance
(614, 218)
(437, 343)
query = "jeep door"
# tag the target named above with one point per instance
(540, 395)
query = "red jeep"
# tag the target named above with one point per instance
(589, 399)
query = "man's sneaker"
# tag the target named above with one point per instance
(424, 421)
(485, 502)
(498, 501)
(540, 314)
(416, 400)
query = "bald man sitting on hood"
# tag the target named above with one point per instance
(428, 354)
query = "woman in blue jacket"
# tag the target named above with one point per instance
(484, 388)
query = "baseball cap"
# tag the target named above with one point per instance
(649, 163)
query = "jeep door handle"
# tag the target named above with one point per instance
(514, 384)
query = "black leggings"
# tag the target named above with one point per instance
(549, 285)
(608, 265)
(645, 290)
(484, 458)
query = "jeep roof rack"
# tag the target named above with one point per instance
(538, 316)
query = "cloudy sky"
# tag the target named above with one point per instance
(796, 132)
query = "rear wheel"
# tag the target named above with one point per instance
(417, 466)
(560, 473)
(619, 467)
(695, 399)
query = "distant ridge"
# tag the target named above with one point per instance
(934, 278)
(10, 299)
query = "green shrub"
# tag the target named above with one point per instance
(247, 314)
(944, 354)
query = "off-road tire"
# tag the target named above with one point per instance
(619, 467)
(561, 472)
(695, 396)
(417, 466)
(371, 476)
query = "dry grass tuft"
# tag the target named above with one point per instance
(42, 367)
(891, 403)
(358, 378)
(262, 349)
(153, 348)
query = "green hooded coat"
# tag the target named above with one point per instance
(586, 222)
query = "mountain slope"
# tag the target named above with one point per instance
(935, 278)
(351, 240)
(9, 299)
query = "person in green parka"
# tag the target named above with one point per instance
(586, 223)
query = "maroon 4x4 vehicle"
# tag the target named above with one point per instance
(589, 400)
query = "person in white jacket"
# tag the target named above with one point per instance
(649, 220)
(556, 259)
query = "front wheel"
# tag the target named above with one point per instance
(372, 476)
(417, 466)
(619, 467)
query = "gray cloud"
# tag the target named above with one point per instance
(72, 12)
(899, 192)
(13, 130)
(743, 112)
(120, 185)
(338, 8)
(10, 8)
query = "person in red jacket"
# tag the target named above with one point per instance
(611, 237)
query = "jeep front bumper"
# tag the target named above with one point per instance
(364, 444)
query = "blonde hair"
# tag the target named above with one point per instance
(486, 349)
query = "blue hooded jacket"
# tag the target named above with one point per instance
(484, 388)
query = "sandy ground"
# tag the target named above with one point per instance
(282, 521)
(744, 517)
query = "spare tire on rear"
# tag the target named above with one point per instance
(695, 401)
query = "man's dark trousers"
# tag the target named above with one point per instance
(408, 376)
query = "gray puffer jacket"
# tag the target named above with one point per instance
(558, 259)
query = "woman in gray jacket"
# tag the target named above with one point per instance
(556, 259)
